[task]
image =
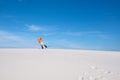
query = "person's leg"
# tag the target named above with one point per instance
(42, 46)
(45, 46)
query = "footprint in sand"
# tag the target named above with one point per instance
(96, 73)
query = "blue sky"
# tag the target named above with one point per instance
(71, 24)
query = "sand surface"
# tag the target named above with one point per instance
(59, 64)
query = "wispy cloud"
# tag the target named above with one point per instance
(10, 39)
(35, 28)
(49, 33)
(72, 33)
(4, 35)
(53, 31)
(103, 36)
(44, 30)
(81, 33)
(7, 16)
(64, 43)
(87, 33)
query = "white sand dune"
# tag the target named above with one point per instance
(59, 64)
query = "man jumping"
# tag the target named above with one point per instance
(40, 41)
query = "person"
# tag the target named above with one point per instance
(40, 41)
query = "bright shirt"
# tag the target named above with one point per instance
(40, 40)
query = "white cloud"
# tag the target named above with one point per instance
(49, 34)
(7, 16)
(64, 43)
(4, 35)
(10, 39)
(35, 28)
(73, 33)
(103, 36)
(44, 30)
(81, 33)
(87, 33)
